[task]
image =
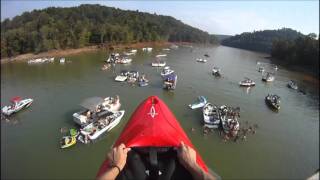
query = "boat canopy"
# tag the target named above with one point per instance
(91, 103)
(170, 77)
(15, 99)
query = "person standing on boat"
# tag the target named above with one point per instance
(186, 156)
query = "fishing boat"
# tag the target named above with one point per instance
(103, 124)
(201, 60)
(161, 55)
(17, 105)
(268, 77)
(216, 71)
(273, 101)
(247, 83)
(166, 71)
(211, 116)
(158, 63)
(261, 69)
(94, 108)
(67, 141)
(201, 102)
(170, 81)
(292, 85)
(153, 133)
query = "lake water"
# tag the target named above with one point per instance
(286, 144)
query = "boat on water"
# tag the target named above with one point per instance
(275, 68)
(268, 77)
(247, 83)
(62, 60)
(216, 71)
(103, 124)
(158, 63)
(17, 104)
(173, 46)
(113, 58)
(261, 69)
(143, 81)
(211, 116)
(201, 60)
(273, 101)
(229, 121)
(292, 85)
(129, 53)
(94, 108)
(121, 78)
(201, 102)
(148, 49)
(166, 71)
(67, 141)
(166, 49)
(170, 81)
(161, 55)
(105, 67)
(153, 133)
(206, 55)
(124, 60)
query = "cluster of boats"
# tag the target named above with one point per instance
(99, 115)
(224, 118)
(116, 58)
(46, 60)
(132, 77)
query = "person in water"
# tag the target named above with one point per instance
(186, 156)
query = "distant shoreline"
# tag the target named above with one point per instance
(67, 52)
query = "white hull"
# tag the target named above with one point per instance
(8, 110)
(121, 78)
(158, 64)
(211, 116)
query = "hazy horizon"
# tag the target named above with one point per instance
(215, 17)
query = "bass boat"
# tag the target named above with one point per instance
(153, 134)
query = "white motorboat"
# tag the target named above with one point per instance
(95, 107)
(62, 60)
(103, 124)
(17, 105)
(166, 49)
(173, 46)
(292, 85)
(201, 102)
(170, 81)
(148, 49)
(161, 55)
(121, 78)
(129, 53)
(211, 116)
(247, 83)
(231, 126)
(273, 101)
(166, 71)
(51, 59)
(35, 61)
(216, 71)
(124, 60)
(134, 51)
(275, 68)
(158, 64)
(268, 77)
(201, 60)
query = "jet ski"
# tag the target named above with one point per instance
(153, 134)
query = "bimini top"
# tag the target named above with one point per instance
(15, 99)
(153, 125)
(91, 103)
(170, 77)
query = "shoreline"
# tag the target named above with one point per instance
(67, 52)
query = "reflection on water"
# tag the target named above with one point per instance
(285, 144)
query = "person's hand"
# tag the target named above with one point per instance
(187, 156)
(118, 155)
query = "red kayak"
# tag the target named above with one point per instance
(153, 133)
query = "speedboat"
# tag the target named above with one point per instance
(158, 64)
(273, 101)
(166, 71)
(201, 60)
(247, 83)
(201, 102)
(211, 116)
(216, 71)
(62, 60)
(68, 141)
(292, 85)
(17, 105)
(95, 107)
(170, 81)
(268, 77)
(103, 124)
(161, 55)
(121, 78)
(153, 133)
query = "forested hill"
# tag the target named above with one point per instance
(261, 40)
(60, 28)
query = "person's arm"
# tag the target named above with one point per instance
(118, 158)
(187, 157)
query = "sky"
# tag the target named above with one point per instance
(216, 17)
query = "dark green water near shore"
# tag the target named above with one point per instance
(286, 144)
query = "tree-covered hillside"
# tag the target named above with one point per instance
(60, 28)
(260, 40)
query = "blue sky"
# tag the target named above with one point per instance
(216, 17)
